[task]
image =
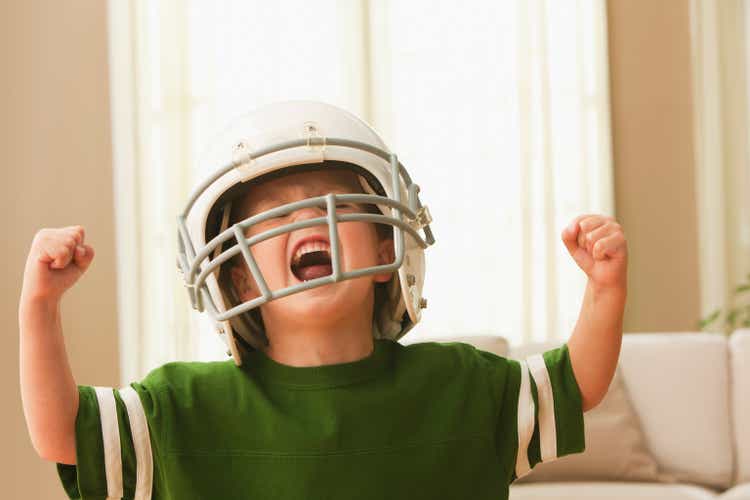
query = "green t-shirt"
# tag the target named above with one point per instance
(428, 420)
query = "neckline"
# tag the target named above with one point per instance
(270, 370)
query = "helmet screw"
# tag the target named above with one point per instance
(422, 303)
(411, 279)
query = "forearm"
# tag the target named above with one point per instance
(595, 343)
(48, 389)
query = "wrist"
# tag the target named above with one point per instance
(611, 292)
(39, 303)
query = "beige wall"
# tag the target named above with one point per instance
(652, 126)
(56, 158)
(56, 171)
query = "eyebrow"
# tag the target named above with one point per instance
(310, 192)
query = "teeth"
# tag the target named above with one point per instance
(311, 246)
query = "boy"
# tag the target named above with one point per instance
(306, 249)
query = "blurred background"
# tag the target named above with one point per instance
(513, 116)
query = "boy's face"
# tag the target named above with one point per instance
(285, 261)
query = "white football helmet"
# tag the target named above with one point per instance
(297, 135)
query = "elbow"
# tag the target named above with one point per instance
(591, 401)
(587, 405)
(58, 456)
(64, 453)
(39, 446)
(593, 392)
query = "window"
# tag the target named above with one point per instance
(500, 112)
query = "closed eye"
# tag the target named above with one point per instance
(347, 206)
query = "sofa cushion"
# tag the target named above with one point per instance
(491, 343)
(679, 386)
(615, 446)
(739, 349)
(609, 491)
(741, 492)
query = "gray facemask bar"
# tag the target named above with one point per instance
(189, 262)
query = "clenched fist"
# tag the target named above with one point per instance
(597, 243)
(57, 258)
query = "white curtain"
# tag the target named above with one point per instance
(499, 111)
(721, 65)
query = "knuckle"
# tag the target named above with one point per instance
(60, 253)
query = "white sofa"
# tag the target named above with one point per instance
(691, 394)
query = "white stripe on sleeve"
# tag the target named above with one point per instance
(525, 422)
(111, 440)
(141, 443)
(547, 429)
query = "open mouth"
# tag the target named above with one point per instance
(311, 260)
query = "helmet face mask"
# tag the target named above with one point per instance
(387, 186)
(297, 256)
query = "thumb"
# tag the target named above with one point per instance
(570, 238)
(83, 256)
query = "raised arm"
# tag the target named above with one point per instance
(597, 244)
(57, 258)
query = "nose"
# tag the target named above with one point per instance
(308, 213)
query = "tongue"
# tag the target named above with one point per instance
(313, 265)
(307, 273)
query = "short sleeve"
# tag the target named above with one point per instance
(541, 415)
(114, 457)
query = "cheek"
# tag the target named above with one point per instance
(360, 244)
(271, 258)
